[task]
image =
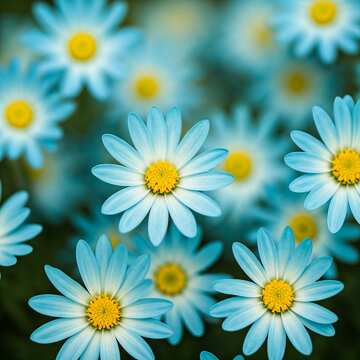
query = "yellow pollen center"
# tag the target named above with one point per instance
(239, 165)
(19, 114)
(345, 167)
(82, 47)
(103, 312)
(323, 12)
(146, 87)
(161, 177)
(304, 226)
(296, 83)
(263, 35)
(170, 279)
(277, 296)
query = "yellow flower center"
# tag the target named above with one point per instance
(323, 12)
(161, 177)
(146, 87)
(19, 114)
(170, 279)
(278, 296)
(304, 226)
(345, 167)
(239, 165)
(103, 312)
(82, 47)
(114, 237)
(297, 83)
(263, 35)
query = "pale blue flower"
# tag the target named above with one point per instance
(279, 301)
(177, 267)
(332, 166)
(80, 41)
(29, 114)
(162, 175)
(205, 355)
(114, 306)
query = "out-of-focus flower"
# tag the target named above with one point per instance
(162, 175)
(279, 300)
(287, 209)
(292, 87)
(13, 231)
(253, 160)
(80, 40)
(154, 77)
(176, 271)
(332, 167)
(29, 114)
(205, 355)
(324, 25)
(113, 307)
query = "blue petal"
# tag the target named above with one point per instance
(207, 256)
(146, 308)
(238, 288)
(206, 182)
(319, 290)
(337, 211)
(149, 328)
(117, 175)
(267, 252)
(257, 335)
(306, 162)
(314, 312)
(191, 318)
(276, 339)
(109, 348)
(158, 221)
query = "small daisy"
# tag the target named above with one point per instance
(176, 270)
(81, 40)
(324, 25)
(29, 114)
(292, 87)
(254, 158)
(279, 301)
(13, 231)
(287, 209)
(113, 307)
(162, 175)
(154, 78)
(332, 167)
(205, 355)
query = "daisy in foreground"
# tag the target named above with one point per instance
(162, 175)
(324, 25)
(113, 307)
(177, 267)
(279, 301)
(81, 41)
(332, 167)
(205, 355)
(29, 116)
(13, 231)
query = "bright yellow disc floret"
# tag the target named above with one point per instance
(82, 46)
(304, 226)
(161, 177)
(239, 165)
(323, 12)
(19, 114)
(278, 296)
(345, 167)
(170, 279)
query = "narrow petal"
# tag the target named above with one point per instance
(109, 348)
(267, 252)
(238, 288)
(206, 182)
(337, 211)
(117, 175)
(306, 162)
(343, 121)
(276, 339)
(314, 312)
(319, 290)
(320, 195)
(149, 328)
(158, 221)
(207, 256)
(257, 335)
(147, 308)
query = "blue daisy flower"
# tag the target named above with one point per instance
(332, 167)
(13, 231)
(205, 355)
(80, 40)
(176, 270)
(162, 175)
(279, 302)
(322, 25)
(29, 115)
(113, 307)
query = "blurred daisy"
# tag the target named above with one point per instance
(332, 167)
(155, 78)
(176, 270)
(30, 115)
(279, 301)
(292, 87)
(113, 307)
(253, 160)
(81, 40)
(324, 25)
(13, 231)
(287, 209)
(162, 175)
(246, 38)
(205, 355)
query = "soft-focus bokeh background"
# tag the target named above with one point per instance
(222, 81)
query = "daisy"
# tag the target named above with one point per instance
(287, 209)
(322, 25)
(177, 267)
(279, 301)
(332, 167)
(113, 307)
(29, 114)
(205, 355)
(80, 40)
(253, 159)
(14, 232)
(162, 175)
